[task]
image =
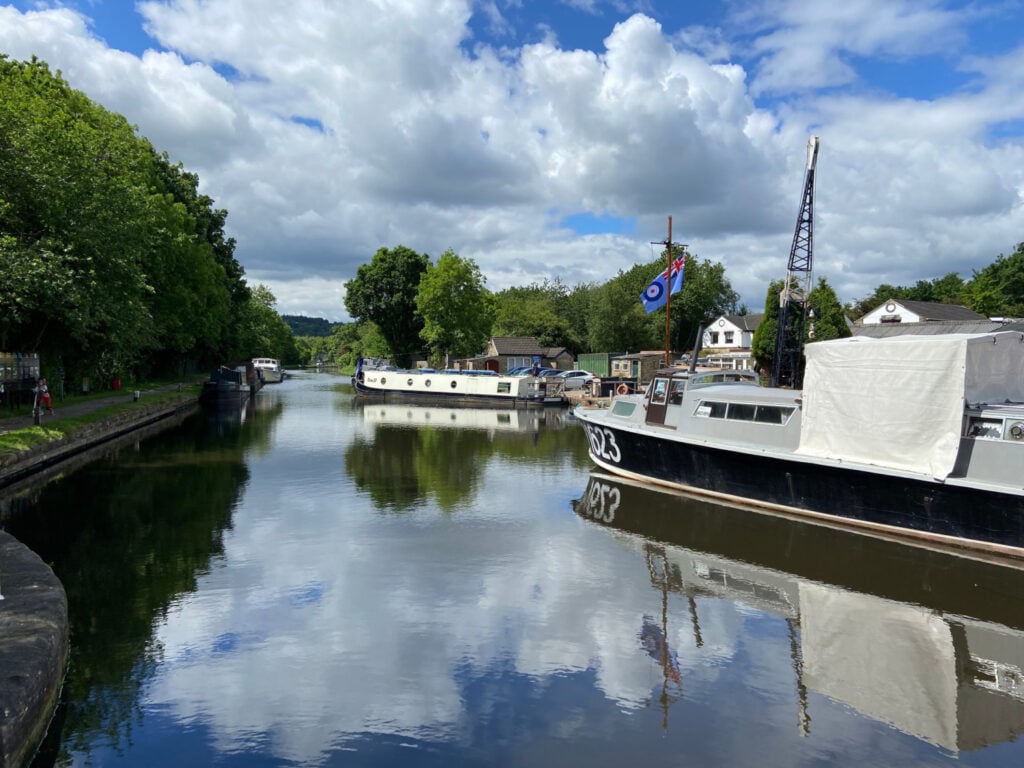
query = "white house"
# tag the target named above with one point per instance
(732, 332)
(904, 311)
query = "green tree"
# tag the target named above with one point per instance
(384, 292)
(263, 332)
(575, 308)
(762, 347)
(829, 316)
(109, 260)
(998, 289)
(616, 320)
(541, 311)
(74, 183)
(829, 321)
(456, 308)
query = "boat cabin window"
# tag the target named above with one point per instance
(741, 411)
(763, 414)
(659, 390)
(772, 414)
(675, 395)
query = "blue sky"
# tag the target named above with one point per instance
(551, 140)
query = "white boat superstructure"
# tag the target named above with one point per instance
(268, 369)
(465, 387)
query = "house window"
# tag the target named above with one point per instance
(714, 338)
(728, 337)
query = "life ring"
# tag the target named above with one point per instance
(622, 389)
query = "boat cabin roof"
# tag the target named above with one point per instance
(707, 378)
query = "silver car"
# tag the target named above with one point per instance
(576, 379)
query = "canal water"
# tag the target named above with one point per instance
(317, 582)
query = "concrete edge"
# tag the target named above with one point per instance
(34, 625)
(42, 458)
(34, 648)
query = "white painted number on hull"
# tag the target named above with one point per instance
(602, 443)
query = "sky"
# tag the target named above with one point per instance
(552, 139)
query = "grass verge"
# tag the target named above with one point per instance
(24, 439)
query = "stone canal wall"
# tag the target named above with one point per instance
(33, 649)
(40, 458)
(34, 641)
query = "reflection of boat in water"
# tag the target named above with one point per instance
(917, 435)
(925, 641)
(491, 419)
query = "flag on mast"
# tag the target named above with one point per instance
(656, 295)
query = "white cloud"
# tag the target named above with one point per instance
(331, 130)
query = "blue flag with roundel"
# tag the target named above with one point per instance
(656, 294)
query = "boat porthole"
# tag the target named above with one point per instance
(428, 382)
(383, 381)
(454, 383)
(409, 382)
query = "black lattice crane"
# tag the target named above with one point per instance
(787, 365)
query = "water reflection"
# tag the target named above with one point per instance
(414, 453)
(925, 651)
(246, 596)
(126, 544)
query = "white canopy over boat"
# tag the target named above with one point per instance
(899, 402)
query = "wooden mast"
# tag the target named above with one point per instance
(668, 298)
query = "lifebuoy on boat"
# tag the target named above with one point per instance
(622, 389)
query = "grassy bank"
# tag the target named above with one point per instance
(67, 422)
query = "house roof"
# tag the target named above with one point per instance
(747, 322)
(553, 352)
(517, 345)
(934, 310)
(885, 330)
(638, 355)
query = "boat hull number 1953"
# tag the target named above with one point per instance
(602, 443)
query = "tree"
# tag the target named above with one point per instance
(998, 289)
(384, 292)
(762, 348)
(456, 308)
(540, 311)
(109, 259)
(263, 332)
(616, 320)
(74, 185)
(829, 321)
(829, 317)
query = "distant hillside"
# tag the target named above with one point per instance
(308, 326)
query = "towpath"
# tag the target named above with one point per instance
(77, 407)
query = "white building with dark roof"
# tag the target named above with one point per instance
(903, 311)
(732, 332)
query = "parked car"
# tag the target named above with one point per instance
(577, 379)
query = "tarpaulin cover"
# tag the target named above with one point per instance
(898, 402)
